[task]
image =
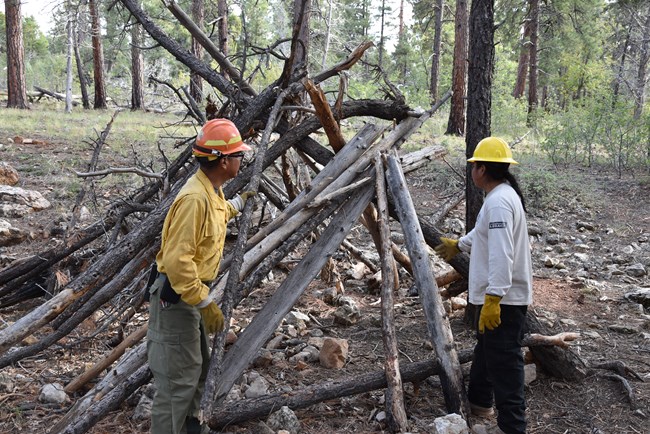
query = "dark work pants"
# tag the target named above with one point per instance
(497, 373)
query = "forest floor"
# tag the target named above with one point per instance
(586, 236)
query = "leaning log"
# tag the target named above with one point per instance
(442, 338)
(280, 303)
(130, 363)
(395, 410)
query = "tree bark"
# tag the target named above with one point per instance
(524, 57)
(532, 79)
(442, 339)
(98, 56)
(16, 88)
(479, 95)
(137, 68)
(196, 83)
(68, 69)
(395, 410)
(435, 60)
(456, 123)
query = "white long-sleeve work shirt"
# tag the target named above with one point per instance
(500, 261)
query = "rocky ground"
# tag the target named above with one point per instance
(591, 250)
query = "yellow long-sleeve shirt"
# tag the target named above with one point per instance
(193, 237)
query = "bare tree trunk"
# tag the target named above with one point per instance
(641, 76)
(328, 31)
(222, 10)
(16, 88)
(435, 61)
(302, 15)
(68, 69)
(80, 67)
(381, 33)
(479, 95)
(532, 80)
(98, 56)
(196, 83)
(456, 124)
(137, 68)
(524, 57)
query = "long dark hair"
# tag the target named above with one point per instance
(500, 172)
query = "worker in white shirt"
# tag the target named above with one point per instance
(500, 284)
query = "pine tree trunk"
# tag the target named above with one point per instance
(522, 66)
(532, 80)
(456, 124)
(435, 61)
(137, 68)
(16, 90)
(479, 95)
(196, 83)
(98, 57)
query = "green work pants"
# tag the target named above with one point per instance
(179, 357)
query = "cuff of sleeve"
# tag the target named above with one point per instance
(496, 292)
(204, 303)
(463, 247)
(237, 202)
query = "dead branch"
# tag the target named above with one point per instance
(111, 170)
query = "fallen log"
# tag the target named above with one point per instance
(451, 377)
(232, 413)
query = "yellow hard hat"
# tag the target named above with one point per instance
(492, 150)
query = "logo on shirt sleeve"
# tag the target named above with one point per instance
(497, 225)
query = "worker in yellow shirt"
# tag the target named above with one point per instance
(180, 313)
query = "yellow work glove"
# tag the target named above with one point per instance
(447, 249)
(490, 313)
(247, 194)
(212, 318)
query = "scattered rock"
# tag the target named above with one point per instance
(257, 387)
(639, 295)
(6, 384)
(8, 175)
(636, 270)
(284, 419)
(18, 202)
(348, 313)
(530, 373)
(623, 328)
(10, 235)
(333, 353)
(450, 424)
(142, 411)
(52, 393)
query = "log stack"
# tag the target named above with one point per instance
(347, 179)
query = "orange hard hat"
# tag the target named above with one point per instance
(218, 137)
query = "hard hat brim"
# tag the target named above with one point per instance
(492, 160)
